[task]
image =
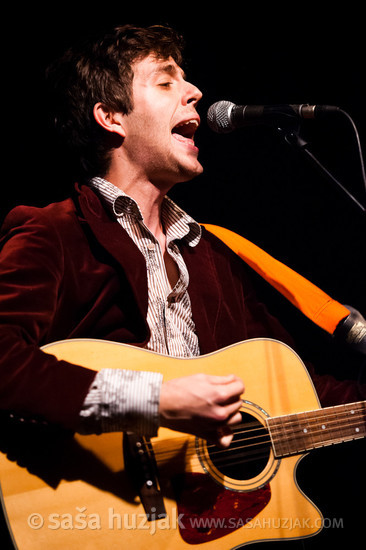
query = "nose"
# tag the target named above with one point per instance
(192, 94)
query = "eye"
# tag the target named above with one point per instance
(166, 84)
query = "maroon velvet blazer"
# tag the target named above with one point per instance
(69, 270)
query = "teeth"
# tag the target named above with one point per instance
(188, 122)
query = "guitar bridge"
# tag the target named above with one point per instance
(140, 464)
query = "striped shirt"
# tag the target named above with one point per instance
(122, 400)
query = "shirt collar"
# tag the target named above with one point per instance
(178, 224)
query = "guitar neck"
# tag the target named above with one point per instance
(301, 432)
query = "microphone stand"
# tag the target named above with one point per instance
(352, 329)
(293, 138)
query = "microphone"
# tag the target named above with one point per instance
(224, 116)
(352, 330)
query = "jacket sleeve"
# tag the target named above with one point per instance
(33, 383)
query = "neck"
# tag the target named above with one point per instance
(148, 196)
(301, 432)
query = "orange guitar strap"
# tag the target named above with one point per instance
(308, 298)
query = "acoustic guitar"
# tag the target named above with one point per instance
(61, 490)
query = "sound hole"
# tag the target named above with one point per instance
(248, 453)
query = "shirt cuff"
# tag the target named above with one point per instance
(122, 400)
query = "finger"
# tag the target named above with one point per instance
(228, 412)
(235, 419)
(224, 437)
(231, 392)
(225, 440)
(225, 379)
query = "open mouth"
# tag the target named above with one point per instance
(184, 131)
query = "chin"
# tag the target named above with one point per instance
(183, 172)
(190, 172)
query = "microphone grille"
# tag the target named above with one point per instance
(218, 116)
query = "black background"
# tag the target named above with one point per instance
(253, 183)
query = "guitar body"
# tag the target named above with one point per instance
(64, 491)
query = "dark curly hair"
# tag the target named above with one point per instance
(101, 71)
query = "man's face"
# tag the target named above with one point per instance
(159, 131)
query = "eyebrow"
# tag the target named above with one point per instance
(168, 68)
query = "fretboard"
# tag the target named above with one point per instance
(297, 433)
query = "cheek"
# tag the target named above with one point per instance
(150, 131)
(151, 149)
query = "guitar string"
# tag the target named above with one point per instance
(299, 441)
(226, 457)
(294, 437)
(296, 426)
(227, 460)
(249, 455)
(317, 416)
(320, 424)
(331, 425)
(164, 454)
(252, 450)
(293, 422)
(289, 426)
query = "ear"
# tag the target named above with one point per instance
(108, 119)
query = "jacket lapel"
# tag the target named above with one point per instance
(204, 288)
(204, 292)
(113, 238)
